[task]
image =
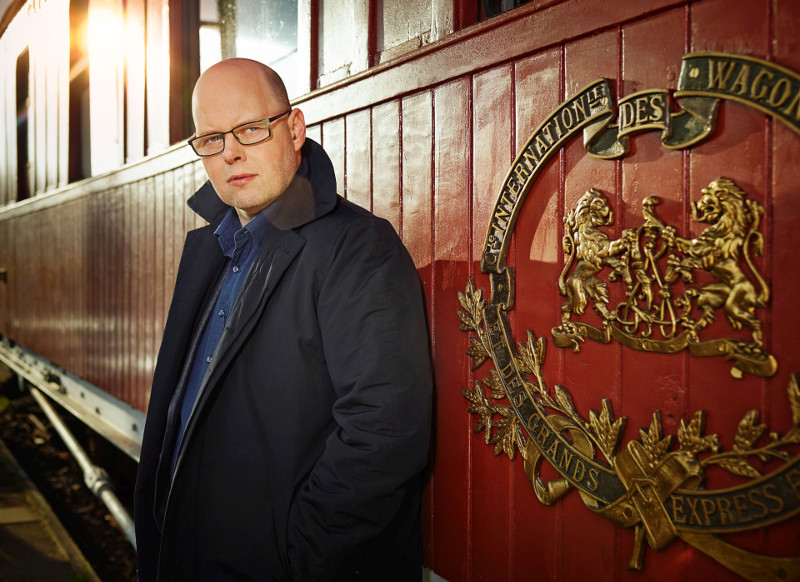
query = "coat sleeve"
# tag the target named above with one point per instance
(375, 343)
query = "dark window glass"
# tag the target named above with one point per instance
(262, 30)
(23, 104)
(490, 8)
(79, 156)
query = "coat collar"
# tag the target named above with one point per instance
(311, 194)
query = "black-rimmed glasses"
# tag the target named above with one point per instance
(251, 133)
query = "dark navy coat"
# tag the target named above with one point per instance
(302, 459)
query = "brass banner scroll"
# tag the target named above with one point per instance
(646, 484)
(589, 108)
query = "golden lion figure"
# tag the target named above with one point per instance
(733, 223)
(591, 247)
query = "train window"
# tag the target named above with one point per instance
(262, 30)
(79, 157)
(135, 79)
(343, 30)
(211, 49)
(490, 8)
(23, 105)
(403, 25)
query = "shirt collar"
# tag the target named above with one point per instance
(258, 228)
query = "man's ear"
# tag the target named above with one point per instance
(297, 127)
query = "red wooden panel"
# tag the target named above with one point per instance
(130, 276)
(136, 339)
(173, 241)
(536, 257)
(333, 141)
(105, 314)
(114, 275)
(193, 181)
(140, 265)
(120, 267)
(417, 208)
(93, 290)
(160, 284)
(651, 58)
(138, 307)
(33, 282)
(737, 150)
(491, 476)
(127, 298)
(592, 374)
(5, 261)
(57, 306)
(99, 253)
(417, 116)
(386, 162)
(98, 302)
(137, 290)
(77, 282)
(199, 178)
(27, 286)
(447, 550)
(781, 238)
(110, 218)
(147, 229)
(357, 158)
(71, 244)
(15, 280)
(314, 132)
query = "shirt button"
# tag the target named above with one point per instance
(221, 313)
(235, 269)
(208, 359)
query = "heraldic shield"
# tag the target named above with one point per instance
(635, 339)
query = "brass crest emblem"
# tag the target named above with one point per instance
(653, 317)
(655, 289)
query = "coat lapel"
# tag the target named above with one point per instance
(277, 254)
(192, 287)
(200, 267)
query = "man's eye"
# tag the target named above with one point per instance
(210, 140)
(252, 130)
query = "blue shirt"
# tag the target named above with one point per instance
(241, 245)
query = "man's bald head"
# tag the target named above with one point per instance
(239, 74)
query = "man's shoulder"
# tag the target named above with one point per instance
(349, 217)
(350, 230)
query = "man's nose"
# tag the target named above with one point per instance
(234, 151)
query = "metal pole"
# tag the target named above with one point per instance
(95, 477)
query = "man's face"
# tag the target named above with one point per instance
(249, 178)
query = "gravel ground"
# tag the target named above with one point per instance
(40, 451)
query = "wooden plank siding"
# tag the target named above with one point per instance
(426, 141)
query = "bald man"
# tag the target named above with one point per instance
(289, 419)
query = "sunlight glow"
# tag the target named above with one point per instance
(106, 62)
(106, 32)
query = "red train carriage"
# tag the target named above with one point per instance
(627, 320)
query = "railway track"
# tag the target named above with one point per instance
(47, 469)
